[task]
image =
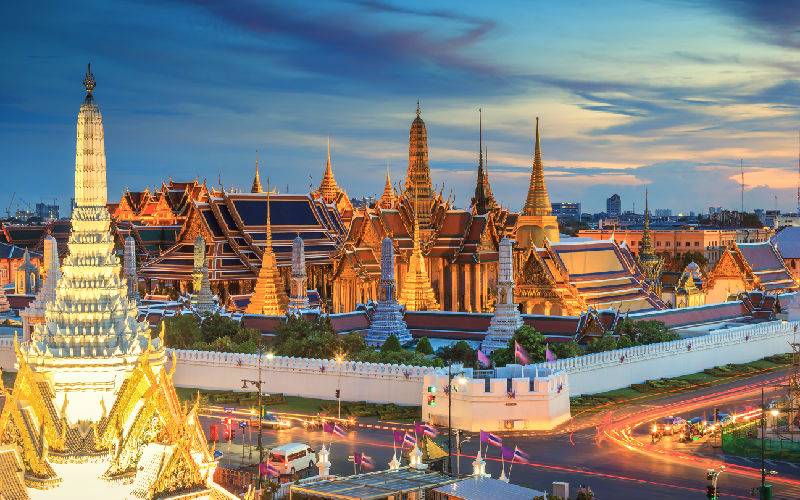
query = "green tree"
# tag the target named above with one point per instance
(645, 332)
(529, 338)
(391, 344)
(424, 346)
(307, 338)
(566, 349)
(605, 343)
(182, 331)
(352, 344)
(460, 352)
(216, 326)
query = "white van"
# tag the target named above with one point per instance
(292, 457)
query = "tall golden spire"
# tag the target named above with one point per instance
(269, 295)
(256, 179)
(538, 201)
(418, 176)
(388, 199)
(417, 294)
(328, 188)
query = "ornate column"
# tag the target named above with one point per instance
(468, 287)
(454, 286)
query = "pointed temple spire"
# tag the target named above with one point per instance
(418, 186)
(483, 201)
(536, 225)
(256, 188)
(34, 313)
(538, 201)
(269, 294)
(388, 317)
(649, 262)
(129, 268)
(506, 319)
(328, 188)
(417, 293)
(91, 318)
(389, 198)
(298, 301)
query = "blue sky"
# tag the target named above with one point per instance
(665, 94)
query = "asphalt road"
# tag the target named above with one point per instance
(585, 453)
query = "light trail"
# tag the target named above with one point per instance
(621, 433)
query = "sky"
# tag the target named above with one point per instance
(668, 95)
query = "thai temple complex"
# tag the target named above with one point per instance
(260, 252)
(93, 410)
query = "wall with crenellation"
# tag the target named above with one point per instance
(605, 371)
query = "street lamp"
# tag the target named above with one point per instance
(258, 383)
(462, 380)
(339, 360)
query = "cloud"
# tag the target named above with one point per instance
(776, 22)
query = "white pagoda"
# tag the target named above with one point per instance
(93, 412)
(506, 319)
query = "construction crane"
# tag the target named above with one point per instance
(8, 209)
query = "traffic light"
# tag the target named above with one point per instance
(711, 492)
(431, 400)
(233, 433)
(338, 393)
(716, 415)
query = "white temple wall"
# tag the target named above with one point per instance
(404, 385)
(312, 378)
(611, 370)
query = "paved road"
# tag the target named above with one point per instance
(588, 452)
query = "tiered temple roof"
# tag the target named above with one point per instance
(234, 227)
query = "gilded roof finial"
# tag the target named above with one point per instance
(88, 81)
(256, 188)
(418, 110)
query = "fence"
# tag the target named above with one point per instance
(744, 441)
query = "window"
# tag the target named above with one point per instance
(697, 243)
(793, 263)
(667, 244)
(509, 385)
(658, 243)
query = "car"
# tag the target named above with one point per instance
(292, 457)
(668, 425)
(272, 421)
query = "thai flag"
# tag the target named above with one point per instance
(549, 355)
(521, 456)
(398, 437)
(521, 354)
(269, 470)
(425, 430)
(409, 439)
(429, 430)
(338, 430)
(333, 429)
(489, 438)
(483, 359)
(506, 453)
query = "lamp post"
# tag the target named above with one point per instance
(258, 383)
(765, 491)
(339, 360)
(462, 380)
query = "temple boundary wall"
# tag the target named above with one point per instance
(400, 384)
(609, 370)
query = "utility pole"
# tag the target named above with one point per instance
(450, 417)
(741, 172)
(765, 491)
(258, 383)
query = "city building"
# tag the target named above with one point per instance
(670, 243)
(47, 212)
(567, 210)
(614, 206)
(663, 213)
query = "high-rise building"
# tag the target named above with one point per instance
(46, 212)
(567, 210)
(663, 212)
(614, 206)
